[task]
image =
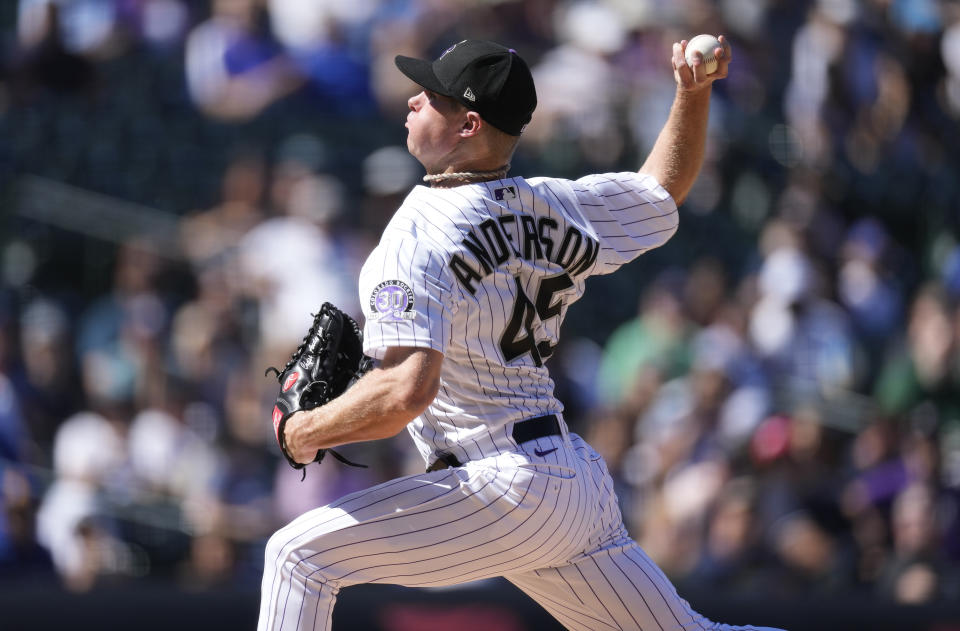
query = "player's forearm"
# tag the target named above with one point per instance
(678, 152)
(379, 406)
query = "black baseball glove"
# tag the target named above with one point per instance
(328, 361)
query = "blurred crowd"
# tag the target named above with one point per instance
(776, 390)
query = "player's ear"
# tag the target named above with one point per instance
(471, 124)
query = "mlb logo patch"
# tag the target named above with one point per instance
(507, 192)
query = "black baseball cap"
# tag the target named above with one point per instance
(485, 77)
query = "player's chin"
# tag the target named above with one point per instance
(412, 147)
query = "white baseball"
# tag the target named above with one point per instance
(705, 45)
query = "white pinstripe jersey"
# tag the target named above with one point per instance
(485, 273)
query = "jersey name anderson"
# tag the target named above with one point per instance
(485, 274)
(526, 237)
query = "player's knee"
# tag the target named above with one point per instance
(279, 551)
(283, 554)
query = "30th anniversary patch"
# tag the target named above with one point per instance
(391, 301)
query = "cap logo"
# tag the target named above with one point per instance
(451, 49)
(469, 95)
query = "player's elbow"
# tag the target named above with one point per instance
(668, 224)
(678, 187)
(411, 386)
(406, 402)
(662, 224)
(414, 395)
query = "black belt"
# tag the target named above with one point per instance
(534, 428)
(523, 431)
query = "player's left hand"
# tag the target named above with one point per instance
(328, 361)
(694, 78)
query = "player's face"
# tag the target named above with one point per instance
(433, 125)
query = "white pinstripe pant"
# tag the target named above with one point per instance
(550, 525)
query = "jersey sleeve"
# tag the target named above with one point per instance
(408, 296)
(630, 212)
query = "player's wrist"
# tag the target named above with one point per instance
(694, 93)
(691, 104)
(295, 434)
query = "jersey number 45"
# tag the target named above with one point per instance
(517, 338)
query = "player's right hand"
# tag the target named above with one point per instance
(694, 78)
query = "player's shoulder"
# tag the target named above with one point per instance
(595, 184)
(621, 191)
(611, 182)
(424, 217)
(439, 210)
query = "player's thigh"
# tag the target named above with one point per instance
(433, 529)
(365, 517)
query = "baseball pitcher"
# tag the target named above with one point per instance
(464, 296)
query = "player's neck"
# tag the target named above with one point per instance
(472, 160)
(451, 178)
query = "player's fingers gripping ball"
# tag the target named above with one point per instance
(328, 361)
(701, 60)
(710, 51)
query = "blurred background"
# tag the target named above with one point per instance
(776, 390)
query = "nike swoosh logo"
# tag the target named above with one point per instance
(544, 453)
